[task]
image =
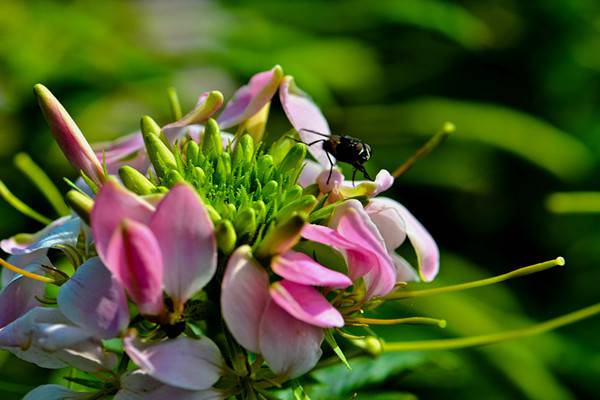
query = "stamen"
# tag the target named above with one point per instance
(45, 185)
(399, 321)
(405, 294)
(472, 341)
(20, 206)
(174, 104)
(574, 202)
(25, 273)
(431, 144)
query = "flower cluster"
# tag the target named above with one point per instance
(204, 264)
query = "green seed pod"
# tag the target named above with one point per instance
(80, 203)
(281, 237)
(226, 236)
(294, 159)
(211, 141)
(136, 181)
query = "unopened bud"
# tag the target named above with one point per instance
(265, 167)
(192, 150)
(135, 181)
(370, 344)
(281, 237)
(80, 203)
(245, 222)
(270, 189)
(160, 156)
(226, 236)
(211, 141)
(294, 158)
(303, 205)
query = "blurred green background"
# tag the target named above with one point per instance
(521, 81)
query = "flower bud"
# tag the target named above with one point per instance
(69, 137)
(265, 167)
(293, 193)
(160, 156)
(282, 146)
(294, 159)
(370, 344)
(135, 181)
(281, 237)
(246, 146)
(173, 178)
(211, 141)
(226, 236)
(192, 150)
(270, 189)
(80, 203)
(199, 175)
(261, 209)
(303, 205)
(245, 222)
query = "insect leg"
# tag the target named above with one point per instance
(362, 169)
(354, 175)
(330, 167)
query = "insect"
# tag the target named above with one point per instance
(346, 149)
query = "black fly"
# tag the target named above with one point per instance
(346, 149)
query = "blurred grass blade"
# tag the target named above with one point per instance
(20, 206)
(574, 202)
(530, 138)
(42, 182)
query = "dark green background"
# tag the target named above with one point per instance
(519, 79)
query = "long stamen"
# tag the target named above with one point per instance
(459, 343)
(398, 321)
(431, 144)
(174, 104)
(20, 206)
(405, 294)
(573, 202)
(25, 273)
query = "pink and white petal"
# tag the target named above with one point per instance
(306, 304)
(310, 173)
(112, 205)
(326, 235)
(290, 347)
(303, 114)
(63, 231)
(45, 337)
(192, 364)
(54, 392)
(135, 260)
(126, 150)
(186, 237)
(388, 221)
(404, 271)
(335, 180)
(251, 98)
(20, 295)
(351, 221)
(138, 385)
(300, 268)
(425, 247)
(244, 296)
(383, 181)
(95, 300)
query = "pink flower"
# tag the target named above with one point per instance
(171, 247)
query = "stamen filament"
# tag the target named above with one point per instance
(431, 144)
(174, 104)
(459, 343)
(20, 206)
(398, 321)
(531, 269)
(25, 273)
(45, 185)
(573, 202)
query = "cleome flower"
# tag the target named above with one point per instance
(204, 264)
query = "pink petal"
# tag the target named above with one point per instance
(134, 258)
(112, 205)
(303, 113)
(187, 242)
(335, 181)
(404, 271)
(126, 150)
(68, 136)
(250, 99)
(94, 300)
(208, 103)
(192, 364)
(427, 250)
(63, 231)
(300, 268)
(306, 304)
(244, 296)
(138, 385)
(19, 295)
(388, 221)
(326, 235)
(46, 338)
(54, 392)
(309, 173)
(290, 347)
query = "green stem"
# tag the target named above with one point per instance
(45, 185)
(459, 343)
(405, 294)
(174, 104)
(399, 321)
(431, 144)
(20, 206)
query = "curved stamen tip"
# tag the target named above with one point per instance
(442, 323)
(25, 273)
(448, 127)
(560, 261)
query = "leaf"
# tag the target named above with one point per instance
(526, 136)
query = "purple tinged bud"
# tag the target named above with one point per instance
(68, 136)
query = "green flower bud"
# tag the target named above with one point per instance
(226, 236)
(282, 146)
(220, 173)
(246, 145)
(80, 203)
(160, 156)
(265, 167)
(270, 189)
(226, 158)
(212, 213)
(200, 176)
(312, 189)
(261, 209)
(173, 178)
(293, 193)
(294, 159)
(211, 141)
(245, 222)
(192, 150)
(303, 205)
(281, 237)
(136, 181)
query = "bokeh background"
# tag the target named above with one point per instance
(520, 80)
